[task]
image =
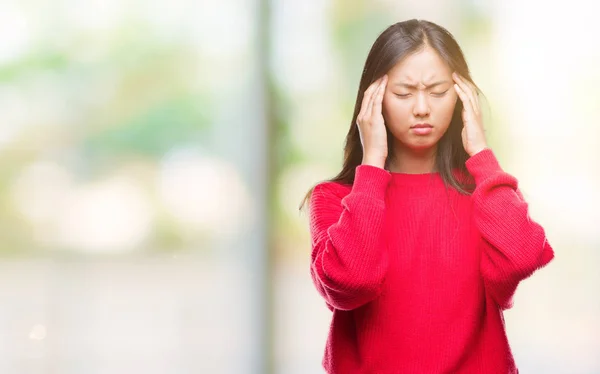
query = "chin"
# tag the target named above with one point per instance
(420, 145)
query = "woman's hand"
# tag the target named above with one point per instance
(371, 126)
(473, 136)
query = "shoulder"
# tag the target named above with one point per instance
(330, 190)
(462, 175)
(325, 204)
(464, 179)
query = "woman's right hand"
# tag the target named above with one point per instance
(371, 126)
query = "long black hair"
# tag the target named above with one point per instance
(393, 45)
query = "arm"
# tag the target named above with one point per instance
(514, 246)
(349, 262)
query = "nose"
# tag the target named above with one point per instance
(421, 107)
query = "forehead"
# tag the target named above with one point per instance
(422, 66)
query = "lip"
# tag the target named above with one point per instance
(421, 126)
(422, 129)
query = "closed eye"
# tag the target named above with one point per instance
(403, 95)
(439, 94)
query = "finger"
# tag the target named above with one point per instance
(378, 99)
(372, 98)
(469, 92)
(472, 93)
(365, 102)
(475, 94)
(468, 107)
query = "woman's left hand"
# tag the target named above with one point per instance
(473, 136)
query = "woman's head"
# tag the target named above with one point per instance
(419, 100)
(419, 58)
(415, 54)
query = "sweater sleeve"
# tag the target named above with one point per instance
(514, 246)
(348, 261)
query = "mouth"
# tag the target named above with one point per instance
(422, 129)
(421, 126)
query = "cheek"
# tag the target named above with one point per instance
(395, 110)
(446, 109)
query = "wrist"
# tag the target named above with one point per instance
(477, 150)
(377, 161)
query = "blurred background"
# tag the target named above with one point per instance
(153, 155)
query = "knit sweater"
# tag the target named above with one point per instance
(416, 274)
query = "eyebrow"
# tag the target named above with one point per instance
(403, 84)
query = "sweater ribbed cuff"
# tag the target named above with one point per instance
(371, 180)
(482, 165)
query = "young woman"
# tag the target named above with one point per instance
(419, 243)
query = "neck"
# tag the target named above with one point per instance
(412, 161)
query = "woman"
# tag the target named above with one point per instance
(419, 243)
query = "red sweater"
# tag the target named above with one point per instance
(416, 274)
